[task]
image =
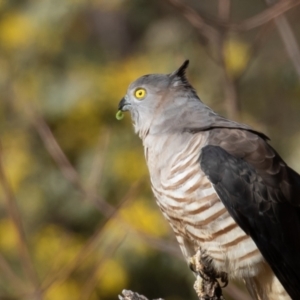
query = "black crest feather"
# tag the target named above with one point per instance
(180, 72)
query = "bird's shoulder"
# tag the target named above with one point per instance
(256, 153)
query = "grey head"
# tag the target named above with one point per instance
(161, 103)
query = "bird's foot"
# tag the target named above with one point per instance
(207, 285)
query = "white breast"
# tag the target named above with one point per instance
(189, 202)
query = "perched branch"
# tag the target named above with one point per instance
(129, 295)
(207, 284)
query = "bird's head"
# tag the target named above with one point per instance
(158, 100)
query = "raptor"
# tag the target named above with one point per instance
(220, 185)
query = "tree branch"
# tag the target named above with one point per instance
(261, 18)
(265, 16)
(288, 38)
(15, 216)
(208, 32)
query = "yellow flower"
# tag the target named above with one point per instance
(16, 31)
(8, 237)
(236, 55)
(142, 216)
(68, 290)
(112, 278)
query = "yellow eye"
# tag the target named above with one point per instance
(140, 93)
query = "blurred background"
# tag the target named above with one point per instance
(77, 216)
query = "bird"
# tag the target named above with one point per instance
(222, 187)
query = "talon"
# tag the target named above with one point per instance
(192, 265)
(224, 279)
(207, 285)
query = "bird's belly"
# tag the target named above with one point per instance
(201, 220)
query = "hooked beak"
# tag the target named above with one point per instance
(123, 105)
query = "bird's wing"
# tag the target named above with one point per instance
(262, 194)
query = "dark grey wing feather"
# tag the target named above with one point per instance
(257, 201)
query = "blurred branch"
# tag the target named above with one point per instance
(224, 9)
(214, 30)
(88, 247)
(210, 25)
(261, 18)
(232, 104)
(288, 38)
(16, 219)
(71, 175)
(265, 16)
(63, 273)
(165, 246)
(63, 163)
(91, 281)
(95, 175)
(216, 38)
(196, 20)
(7, 271)
(257, 43)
